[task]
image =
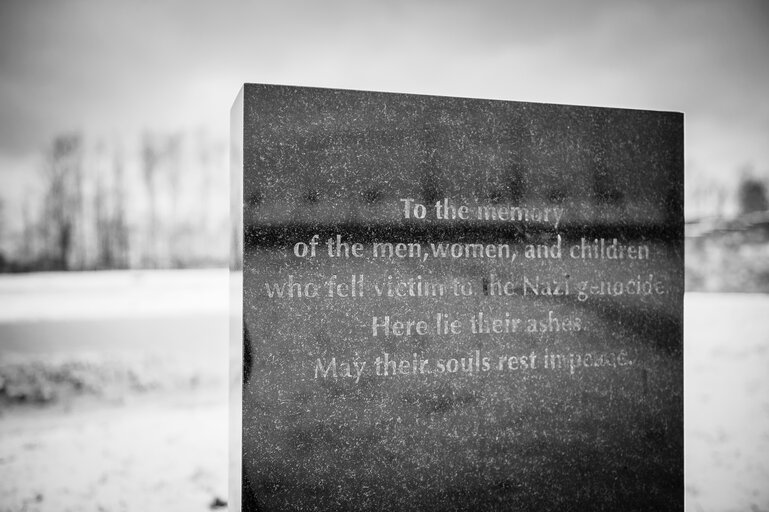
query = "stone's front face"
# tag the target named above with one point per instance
(457, 304)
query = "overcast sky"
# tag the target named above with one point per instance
(119, 67)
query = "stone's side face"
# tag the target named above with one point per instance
(236, 299)
(459, 304)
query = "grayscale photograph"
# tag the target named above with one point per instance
(435, 256)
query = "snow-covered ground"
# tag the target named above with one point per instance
(726, 402)
(111, 294)
(162, 444)
(151, 455)
(115, 391)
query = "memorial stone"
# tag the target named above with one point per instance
(455, 304)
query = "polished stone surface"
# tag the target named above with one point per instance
(519, 347)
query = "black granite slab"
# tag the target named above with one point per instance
(457, 304)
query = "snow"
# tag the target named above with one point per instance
(112, 294)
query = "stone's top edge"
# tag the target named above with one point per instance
(249, 85)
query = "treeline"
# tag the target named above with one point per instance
(158, 202)
(162, 201)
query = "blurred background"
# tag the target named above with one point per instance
(114, 124)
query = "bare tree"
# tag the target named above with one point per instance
(109, 220)
(28, 253)
(173, 172)
(151, 156)
(62, 173)
(119, 226)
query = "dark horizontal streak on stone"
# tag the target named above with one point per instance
(288, 234)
